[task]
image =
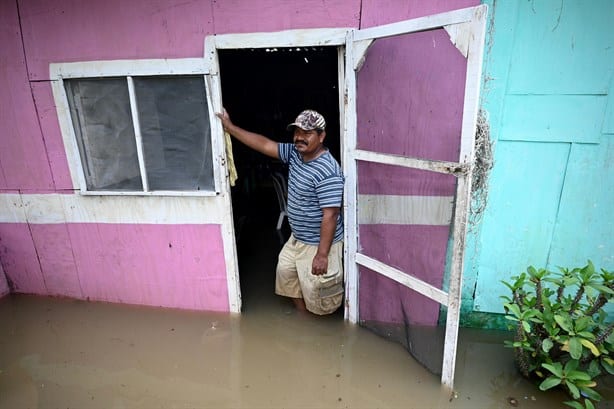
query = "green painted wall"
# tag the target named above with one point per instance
(548, 89)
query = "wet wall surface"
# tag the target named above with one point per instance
(61, 353)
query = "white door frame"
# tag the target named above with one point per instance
(290, 38)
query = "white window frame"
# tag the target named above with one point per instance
(129, 69)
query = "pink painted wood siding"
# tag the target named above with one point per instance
(158, 265)
(65, 30)
(23, 158)
(48, 120)
(377, 12)
(19, 259)
(246, 16)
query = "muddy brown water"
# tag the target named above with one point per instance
(61, 353)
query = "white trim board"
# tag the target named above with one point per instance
(122, 68)
(416, 210)
(75, 208)
(287, 38)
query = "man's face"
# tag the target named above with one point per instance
(308, 142)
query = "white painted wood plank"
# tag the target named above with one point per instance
(351, 187)
(68, 134)
(407, 162)
(400, 277)
(75, 208)
(341, 89)
(111, 68)
(463, 192)
(213, 90)
(360, 53)
(43, 209)
(195, 193)
(455, 282)
(214, 102)
(473, 83)
(460, 35)
(287, 38)
(136, 124)
(211, 62)
(11, 208)
(417, 24)
(404, 210)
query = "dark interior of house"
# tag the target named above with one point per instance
(263, 90)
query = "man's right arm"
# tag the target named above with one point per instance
(255, 141)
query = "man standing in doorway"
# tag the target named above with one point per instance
(310, 266)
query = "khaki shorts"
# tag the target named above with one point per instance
(322, 294)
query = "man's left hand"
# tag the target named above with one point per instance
(319, 265)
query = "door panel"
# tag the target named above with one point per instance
(412, 91)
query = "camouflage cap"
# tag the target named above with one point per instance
(308, 120)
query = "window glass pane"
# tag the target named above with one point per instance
(100, 111)
(176, 132)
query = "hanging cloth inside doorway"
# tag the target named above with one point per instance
(230, 160)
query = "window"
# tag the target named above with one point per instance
(140, 134)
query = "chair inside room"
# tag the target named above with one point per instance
(281, 190)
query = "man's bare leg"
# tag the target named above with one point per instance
(299, 303)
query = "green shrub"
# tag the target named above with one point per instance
(562, 334)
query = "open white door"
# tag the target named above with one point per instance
(408, 155)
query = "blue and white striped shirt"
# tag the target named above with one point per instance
(312, 186)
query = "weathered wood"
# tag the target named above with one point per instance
(115, 68)
(416, 24)
(463, 191)
(414, 163)
(286, 38)
(136, 123)
(462, 169)
(214, 103)
(67, 208)
(403, 209)
(350, 198)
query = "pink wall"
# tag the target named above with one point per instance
(134, 263)
(375, 12)
(246, 16)
(19, 259)
(23, 158)
(160, 265)
(74, 30)
(100, 261)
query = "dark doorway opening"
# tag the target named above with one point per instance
(263, 91)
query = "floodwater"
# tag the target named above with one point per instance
(60, 353)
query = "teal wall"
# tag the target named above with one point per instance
(548, 89)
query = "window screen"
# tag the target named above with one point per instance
(175, 146)
(100, 110)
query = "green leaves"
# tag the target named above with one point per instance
(562, 332)
(575, 380)
(577, 405)
(564, 322)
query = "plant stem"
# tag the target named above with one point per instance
(577, 299)
(599, 302)
(604, 335)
